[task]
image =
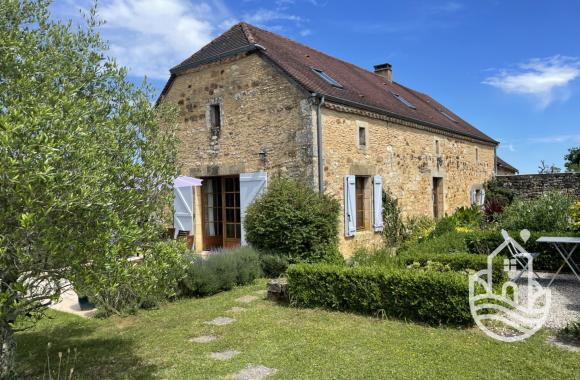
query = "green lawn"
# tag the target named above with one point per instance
(299, 343)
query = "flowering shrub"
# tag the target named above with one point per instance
(549, 212)
(575, 214)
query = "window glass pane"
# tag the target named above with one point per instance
(327, 78)
(403, 100)
(230, 230)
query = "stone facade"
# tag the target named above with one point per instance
(404, 155)
(534, 185)
(262, 111)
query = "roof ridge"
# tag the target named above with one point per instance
(213, 42)
(247, 32)
(308, 47)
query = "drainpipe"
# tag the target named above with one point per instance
(319, 104)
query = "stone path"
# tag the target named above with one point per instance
(224, 355)
(254, 372)
(251, 371)
(220, 321)
(246, 299)
(203, 339)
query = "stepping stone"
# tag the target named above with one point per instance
(220, 321)
(203, 339)
(254, 372)
(236, 309)
(246, 299)
(224, 355)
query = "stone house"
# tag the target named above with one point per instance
(503, 168)
(255, 104)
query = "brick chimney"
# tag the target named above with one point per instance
(385, 70)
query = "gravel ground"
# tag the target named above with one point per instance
(565, 306)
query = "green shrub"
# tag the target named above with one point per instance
(485, 242)
(394, 229)
(273, 265)
(447, 243)
(430, 297)
(384, 257)
(144, 284)
(549, 212)
(470, 217)
(418, 228)
(443, 226)
(572, 330)
(457, 262)
(294, 221)
(221, 270)
(494, 191)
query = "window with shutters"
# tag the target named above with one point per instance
(360, 183)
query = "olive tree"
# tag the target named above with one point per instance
(85, 160)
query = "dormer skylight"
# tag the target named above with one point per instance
(448, 116)
(330, 80)
(403, 100)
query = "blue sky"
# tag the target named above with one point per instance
(511, 68)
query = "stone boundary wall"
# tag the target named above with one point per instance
(533, 185)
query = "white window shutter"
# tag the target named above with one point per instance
(378, 203)
(472, 197)
(482, 197)
(349, 206)
(183, 209)
(251, 185)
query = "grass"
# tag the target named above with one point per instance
(300, 343)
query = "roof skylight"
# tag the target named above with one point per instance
(449, 117)
(403, 100)
(330, 80)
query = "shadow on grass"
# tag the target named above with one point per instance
(104, 356)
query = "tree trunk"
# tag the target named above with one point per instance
(7, 351)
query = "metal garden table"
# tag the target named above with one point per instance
(560, 243)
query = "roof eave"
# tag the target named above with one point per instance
(428, 124)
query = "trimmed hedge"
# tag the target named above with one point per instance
(485, 242)
(459, 262)
(431, 297)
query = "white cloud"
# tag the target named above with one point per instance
(544, 79)
(555, 139)
(151, 36)
(264, 16)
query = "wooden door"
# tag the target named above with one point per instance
(212, 223)
(437, 197)
(231, 217)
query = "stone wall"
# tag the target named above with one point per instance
(533, 185)
(405, 157)
(260, 111)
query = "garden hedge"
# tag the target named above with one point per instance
(485, 242)
(431, 297)
(459, 262)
